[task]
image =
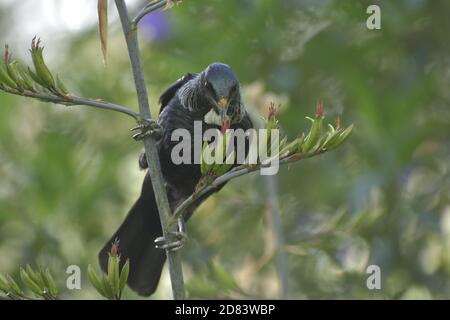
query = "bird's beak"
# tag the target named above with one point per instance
(223, 103)
(223, 107)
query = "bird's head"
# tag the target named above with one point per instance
(221, 91)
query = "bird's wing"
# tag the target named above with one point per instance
(167, 95)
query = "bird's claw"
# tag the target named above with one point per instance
(147, 128)
(173, 240)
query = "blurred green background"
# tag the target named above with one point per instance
(69, 174)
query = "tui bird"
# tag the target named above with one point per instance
(213, 97)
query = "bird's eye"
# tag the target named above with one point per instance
(208, 85)
(210, 88)
(234, 89)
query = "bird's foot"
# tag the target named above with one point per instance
(148, 127)
(173, 240)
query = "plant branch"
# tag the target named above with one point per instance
(175, 268)
(232, 174)
(71, 100)
(150, 7)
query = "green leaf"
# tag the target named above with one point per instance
(5, 79)
(124, 275)
(13, 286)
(28, 281)
(313, 135)
(50, 282)
(109, 293)
(96, 281)
(36, 78)
(60, 86)
(113, 272)
(4, 286)
(13, 73)
(341, 136)
(35, 276)
(39, 64)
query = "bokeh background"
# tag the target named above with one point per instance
(69, 174)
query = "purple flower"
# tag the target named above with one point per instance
(155, 26)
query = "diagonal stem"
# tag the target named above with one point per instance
(150, 7)
(71, 100)
(151, 152)
(230, 175)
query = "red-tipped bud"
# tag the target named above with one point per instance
(226, 123)
(273, 111)
(115, 248)
(6, 56)
(319, 109)
(338, 123)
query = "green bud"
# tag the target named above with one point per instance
(301, 140)
(95, 280)
(287, 150)
(27, 82)
(14, 73)
(4, 286)
(5, 78)
(50, 282)
(292, 147)
(124, 275)
(314, 134)
(13, 286)
(60, 86)
(34, 276)
(113, 272)
(283, 143)
(223, 168)
(39, 64)
(340, 138)
(223, 143)
(26, 279)
(330, 139)
(107, 286)
(36, 78)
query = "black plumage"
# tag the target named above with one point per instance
(190, 98)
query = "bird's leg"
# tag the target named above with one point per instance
(173, 240)
(147, 127)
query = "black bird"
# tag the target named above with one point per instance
(213, 97)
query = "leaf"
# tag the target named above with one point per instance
(338, 138)
(5, 78)
(102, 7)
(4, 285)
(109, 293)
(113, 273)
(96, 282)
(35, 276)
(313, 135)
(13, 285)
(26, 279)
(60, 86)
(49, 282)
(124, 275)
(41, 68)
